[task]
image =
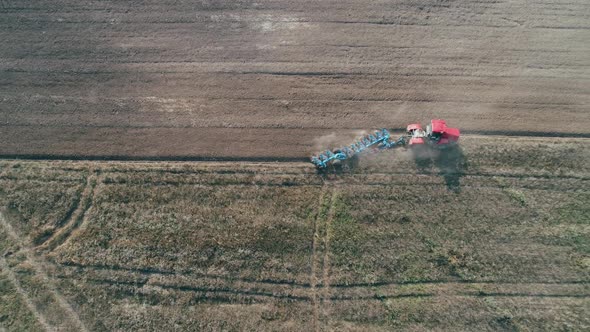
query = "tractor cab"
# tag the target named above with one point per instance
(440, 134)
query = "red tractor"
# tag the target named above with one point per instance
(436, 135)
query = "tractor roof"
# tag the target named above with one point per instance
(438, 126)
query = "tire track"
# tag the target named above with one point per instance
(138, 285)
(314, 257)
(320, 291)
(77, 217)
(148, 272)
(197, 289)
(159, 272)
(83, 221)
(365, 181)
(326, 292)
(40, 271)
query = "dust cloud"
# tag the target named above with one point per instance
(334, 141)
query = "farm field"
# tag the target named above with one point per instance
(154, 168)
(493, 236)
(262, 79)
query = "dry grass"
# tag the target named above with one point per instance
(15, 315)
(475, 241)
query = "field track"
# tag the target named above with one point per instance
(177, 80)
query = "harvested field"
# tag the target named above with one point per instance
(494, 236)
(262, 79)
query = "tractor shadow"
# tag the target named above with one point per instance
(450, 163)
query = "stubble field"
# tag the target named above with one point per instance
(479, 240)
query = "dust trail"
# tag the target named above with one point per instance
(12, 278)
(335, 140)
(38, 267)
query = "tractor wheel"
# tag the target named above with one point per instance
(338, 165)
(347, 165)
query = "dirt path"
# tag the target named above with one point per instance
(320, 268)
(74, 320)
(82, 223)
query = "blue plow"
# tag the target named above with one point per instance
(380, 140)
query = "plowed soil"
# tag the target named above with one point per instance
(257, 79)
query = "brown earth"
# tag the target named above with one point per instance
(256, 79)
